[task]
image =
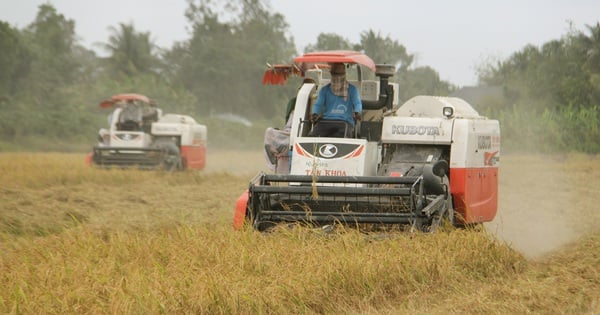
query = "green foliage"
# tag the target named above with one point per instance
(591, 47)
(329, 41)
(46, 68)
(50, 85)
(10, 60)
(51, 40)
(385, 50)
(566, 129)
(559, 73)
(556, 89)
(222, 64)
(421, 81)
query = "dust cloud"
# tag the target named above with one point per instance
(240, 163)
(536, 213)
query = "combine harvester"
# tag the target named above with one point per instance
(139, 135)
(430, 160)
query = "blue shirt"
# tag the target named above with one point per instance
(334, 107)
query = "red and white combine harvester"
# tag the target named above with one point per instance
(429, 160)
(139, 135)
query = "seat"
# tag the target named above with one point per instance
(370, 130)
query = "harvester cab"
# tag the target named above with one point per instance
(428, 161)
(140, 135)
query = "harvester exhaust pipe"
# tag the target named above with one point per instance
(386, 92)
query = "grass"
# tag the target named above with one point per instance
(76, 239)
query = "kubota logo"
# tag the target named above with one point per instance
(415, 130)
(328, 150)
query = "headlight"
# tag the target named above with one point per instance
(448, 111)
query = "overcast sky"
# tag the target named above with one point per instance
(453, 37)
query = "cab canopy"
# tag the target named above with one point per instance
(278, 74)
(124, 98)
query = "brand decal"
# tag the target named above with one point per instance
(340, 109)
(325, 172)
(328, 150)
(197, 142)
(166, 128)
(484, 142)
(127, 137)
(490, 158)
(415, 130)
(316, 163)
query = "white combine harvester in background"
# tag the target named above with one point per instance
(139, 135)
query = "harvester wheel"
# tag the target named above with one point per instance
(447, 218)
(171, 159)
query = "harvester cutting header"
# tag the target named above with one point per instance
(430, 160)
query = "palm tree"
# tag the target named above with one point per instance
(329, 41)
(131, 52)
(385, 50)
(592, 46)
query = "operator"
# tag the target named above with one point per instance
(338, 106)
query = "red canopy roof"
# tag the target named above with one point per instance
(124, 98)
(307, 60)
(278, 74)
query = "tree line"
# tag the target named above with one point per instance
(50, 84)
(551, 93)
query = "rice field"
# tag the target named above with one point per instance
(77, 240)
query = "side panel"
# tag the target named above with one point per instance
(195, 156)
(475, 143)
(193, 135)
(474, 162)
(193, 146)
(475, 193)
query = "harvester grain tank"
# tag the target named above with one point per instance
(429, 160)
